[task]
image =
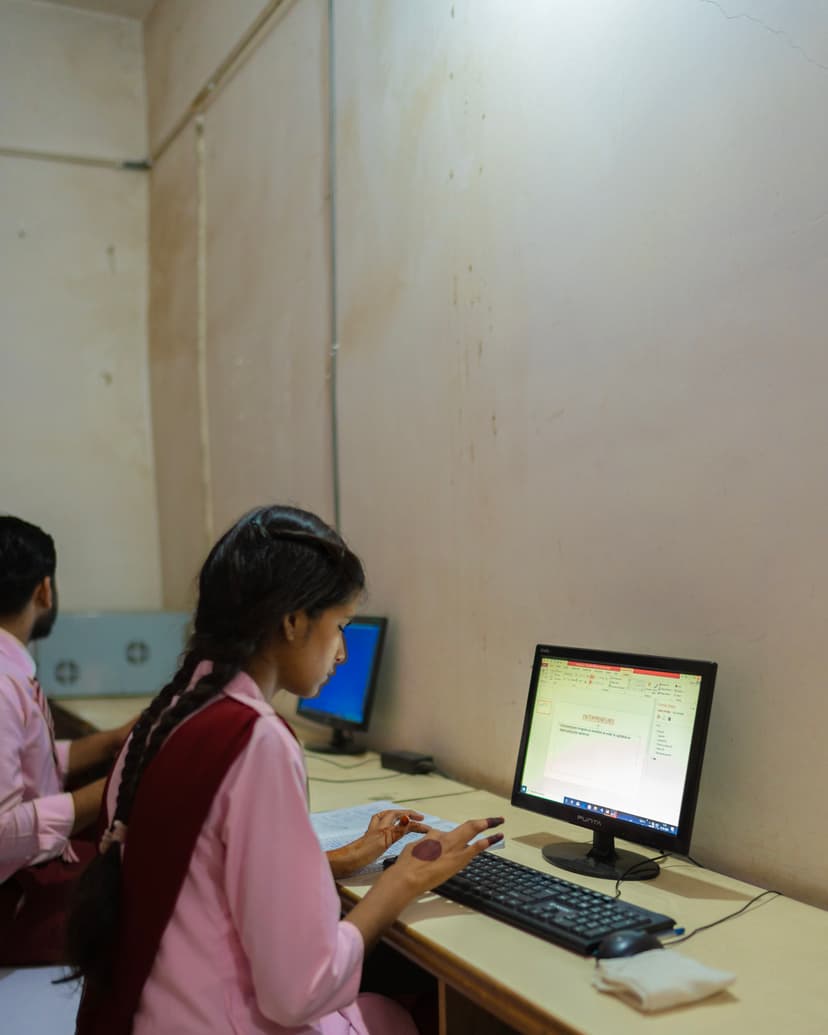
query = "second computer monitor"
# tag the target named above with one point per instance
(613, 743)
(345, 701)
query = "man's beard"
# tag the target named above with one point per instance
(43, 623)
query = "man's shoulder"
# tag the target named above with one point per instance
(15, 673)
(15, 696)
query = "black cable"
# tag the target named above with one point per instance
(655, 859)
(339, 765)
(704, 927)
(362, 779)
(641, 864)
(429, 797)
(715, 923)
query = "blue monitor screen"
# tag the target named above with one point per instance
(345, 699)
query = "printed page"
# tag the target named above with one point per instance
(339, 827)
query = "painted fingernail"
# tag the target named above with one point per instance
(495, 821)
(494, 838)
(404, 820)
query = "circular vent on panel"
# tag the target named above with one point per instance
(137, 652)
(67, 672)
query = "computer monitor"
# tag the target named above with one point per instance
(613, 743)
(345, 701)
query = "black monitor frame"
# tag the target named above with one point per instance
(602, 859)
(341, 742)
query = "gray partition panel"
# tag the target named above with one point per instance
(111, 654)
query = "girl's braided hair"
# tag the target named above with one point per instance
(273, 562)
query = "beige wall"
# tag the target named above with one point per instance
(259, 428)
(72, 82)
(582, 256)
(74, 406)
(180, 454)
(186, 42)
(267, 294)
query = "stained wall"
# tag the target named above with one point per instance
(74, 386)
(580, 258)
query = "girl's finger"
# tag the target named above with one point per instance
(410, 828)
(468, 830)
(417, 828)
(486, 842)
(388, 817)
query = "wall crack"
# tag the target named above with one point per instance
(788, 40)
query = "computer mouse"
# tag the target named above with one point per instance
(626, 943)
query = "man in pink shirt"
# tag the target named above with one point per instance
(39, 858)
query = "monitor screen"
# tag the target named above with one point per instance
(614, 743)
(345, 701)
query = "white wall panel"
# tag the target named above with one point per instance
(267, 259)
(74, 400)
(74, 403)
(71, 82)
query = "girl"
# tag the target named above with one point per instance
(211, 907)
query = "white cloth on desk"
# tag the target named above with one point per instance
(659, 979)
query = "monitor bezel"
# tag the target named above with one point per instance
(337, 721)
(589, 822)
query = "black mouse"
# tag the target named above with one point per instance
(626, 943)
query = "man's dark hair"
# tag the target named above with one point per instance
(27, 556)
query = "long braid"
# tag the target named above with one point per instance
(92, 926)
(133, 767)
(274, 562)
(209, 686)
(91, 945)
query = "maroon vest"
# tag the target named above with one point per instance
(171, 805)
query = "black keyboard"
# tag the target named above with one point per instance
(554, 909)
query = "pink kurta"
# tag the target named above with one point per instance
(255, 943)
(36, 815)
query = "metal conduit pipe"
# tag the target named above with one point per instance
(334, 355)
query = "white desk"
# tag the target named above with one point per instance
(776, 948)
(105, 713)
(490, 973)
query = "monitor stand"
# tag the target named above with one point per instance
(603, 859)
(341, 743)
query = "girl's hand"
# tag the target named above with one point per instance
(384, 830)
(420, 867)
(435, 858)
